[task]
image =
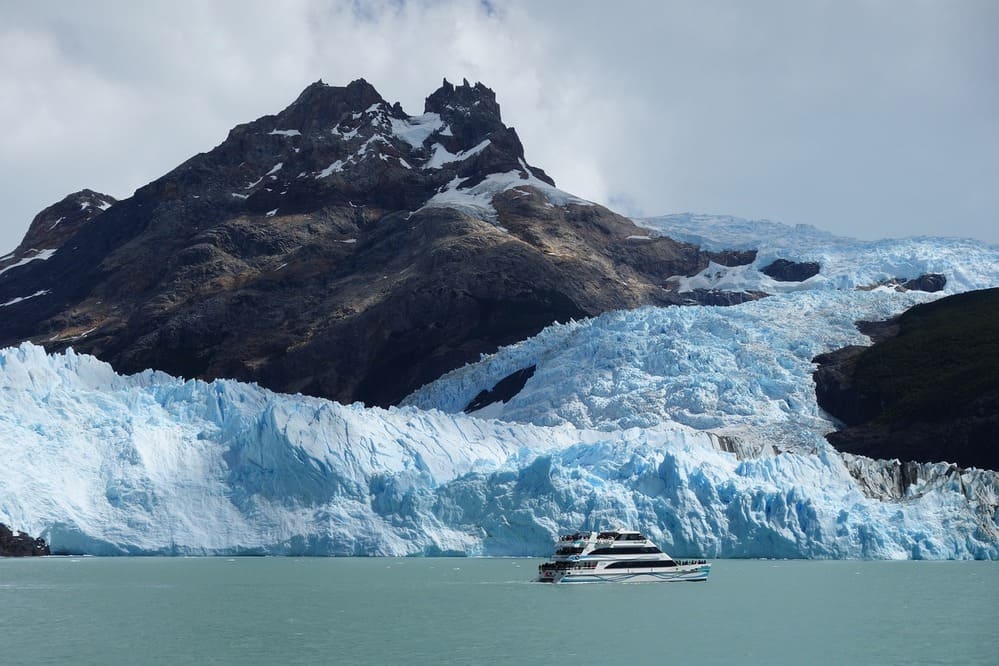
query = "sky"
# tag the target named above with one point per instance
(869, 119)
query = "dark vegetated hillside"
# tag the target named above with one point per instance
(929, 393)
(945, 355)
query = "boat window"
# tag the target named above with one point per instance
(641, 564)
(569, 550)
(607, 535)
(625, 550)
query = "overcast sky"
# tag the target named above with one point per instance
(868, 119)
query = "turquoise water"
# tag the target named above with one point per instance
(471, 611)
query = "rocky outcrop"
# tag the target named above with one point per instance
(719, 297)
(928, 282)
(926, 391)
(20, 544)
(504, 389)
(783, 270)
(340, 248)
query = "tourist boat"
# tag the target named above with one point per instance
(617, 556)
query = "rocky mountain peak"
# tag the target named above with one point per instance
(465, 99)
(50, 229)
(322, 106)
(340, 248)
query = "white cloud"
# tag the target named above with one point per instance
(866, 118)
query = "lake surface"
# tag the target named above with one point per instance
(468, 611)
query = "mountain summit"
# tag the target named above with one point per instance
(341, 248)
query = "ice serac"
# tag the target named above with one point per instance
(109, 464)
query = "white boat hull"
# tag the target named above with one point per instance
(676, 574)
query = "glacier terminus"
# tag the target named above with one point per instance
(698, 424)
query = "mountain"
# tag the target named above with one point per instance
(340, 248)
(347, 249)
(927, 390)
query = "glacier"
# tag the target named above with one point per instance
(697, 425)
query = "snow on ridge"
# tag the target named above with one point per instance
(476, 201)
(845, 263)
(285, 132)
(336, 167)
(416, 129)
(442, 156)
(40, 255)
(153, 464)
(40, 292)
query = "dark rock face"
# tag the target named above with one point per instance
(319, 251)
(783, 270)
(719, 297)
(20, 544)
(504, 389)
(926, 391)
(930, 282)
(734, 257)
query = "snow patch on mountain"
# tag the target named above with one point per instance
(415, 130)
(335, 167)
(442, 156)
(40, 292)
(39, 255)
(476, 201)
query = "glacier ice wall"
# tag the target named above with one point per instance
(104, 464)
